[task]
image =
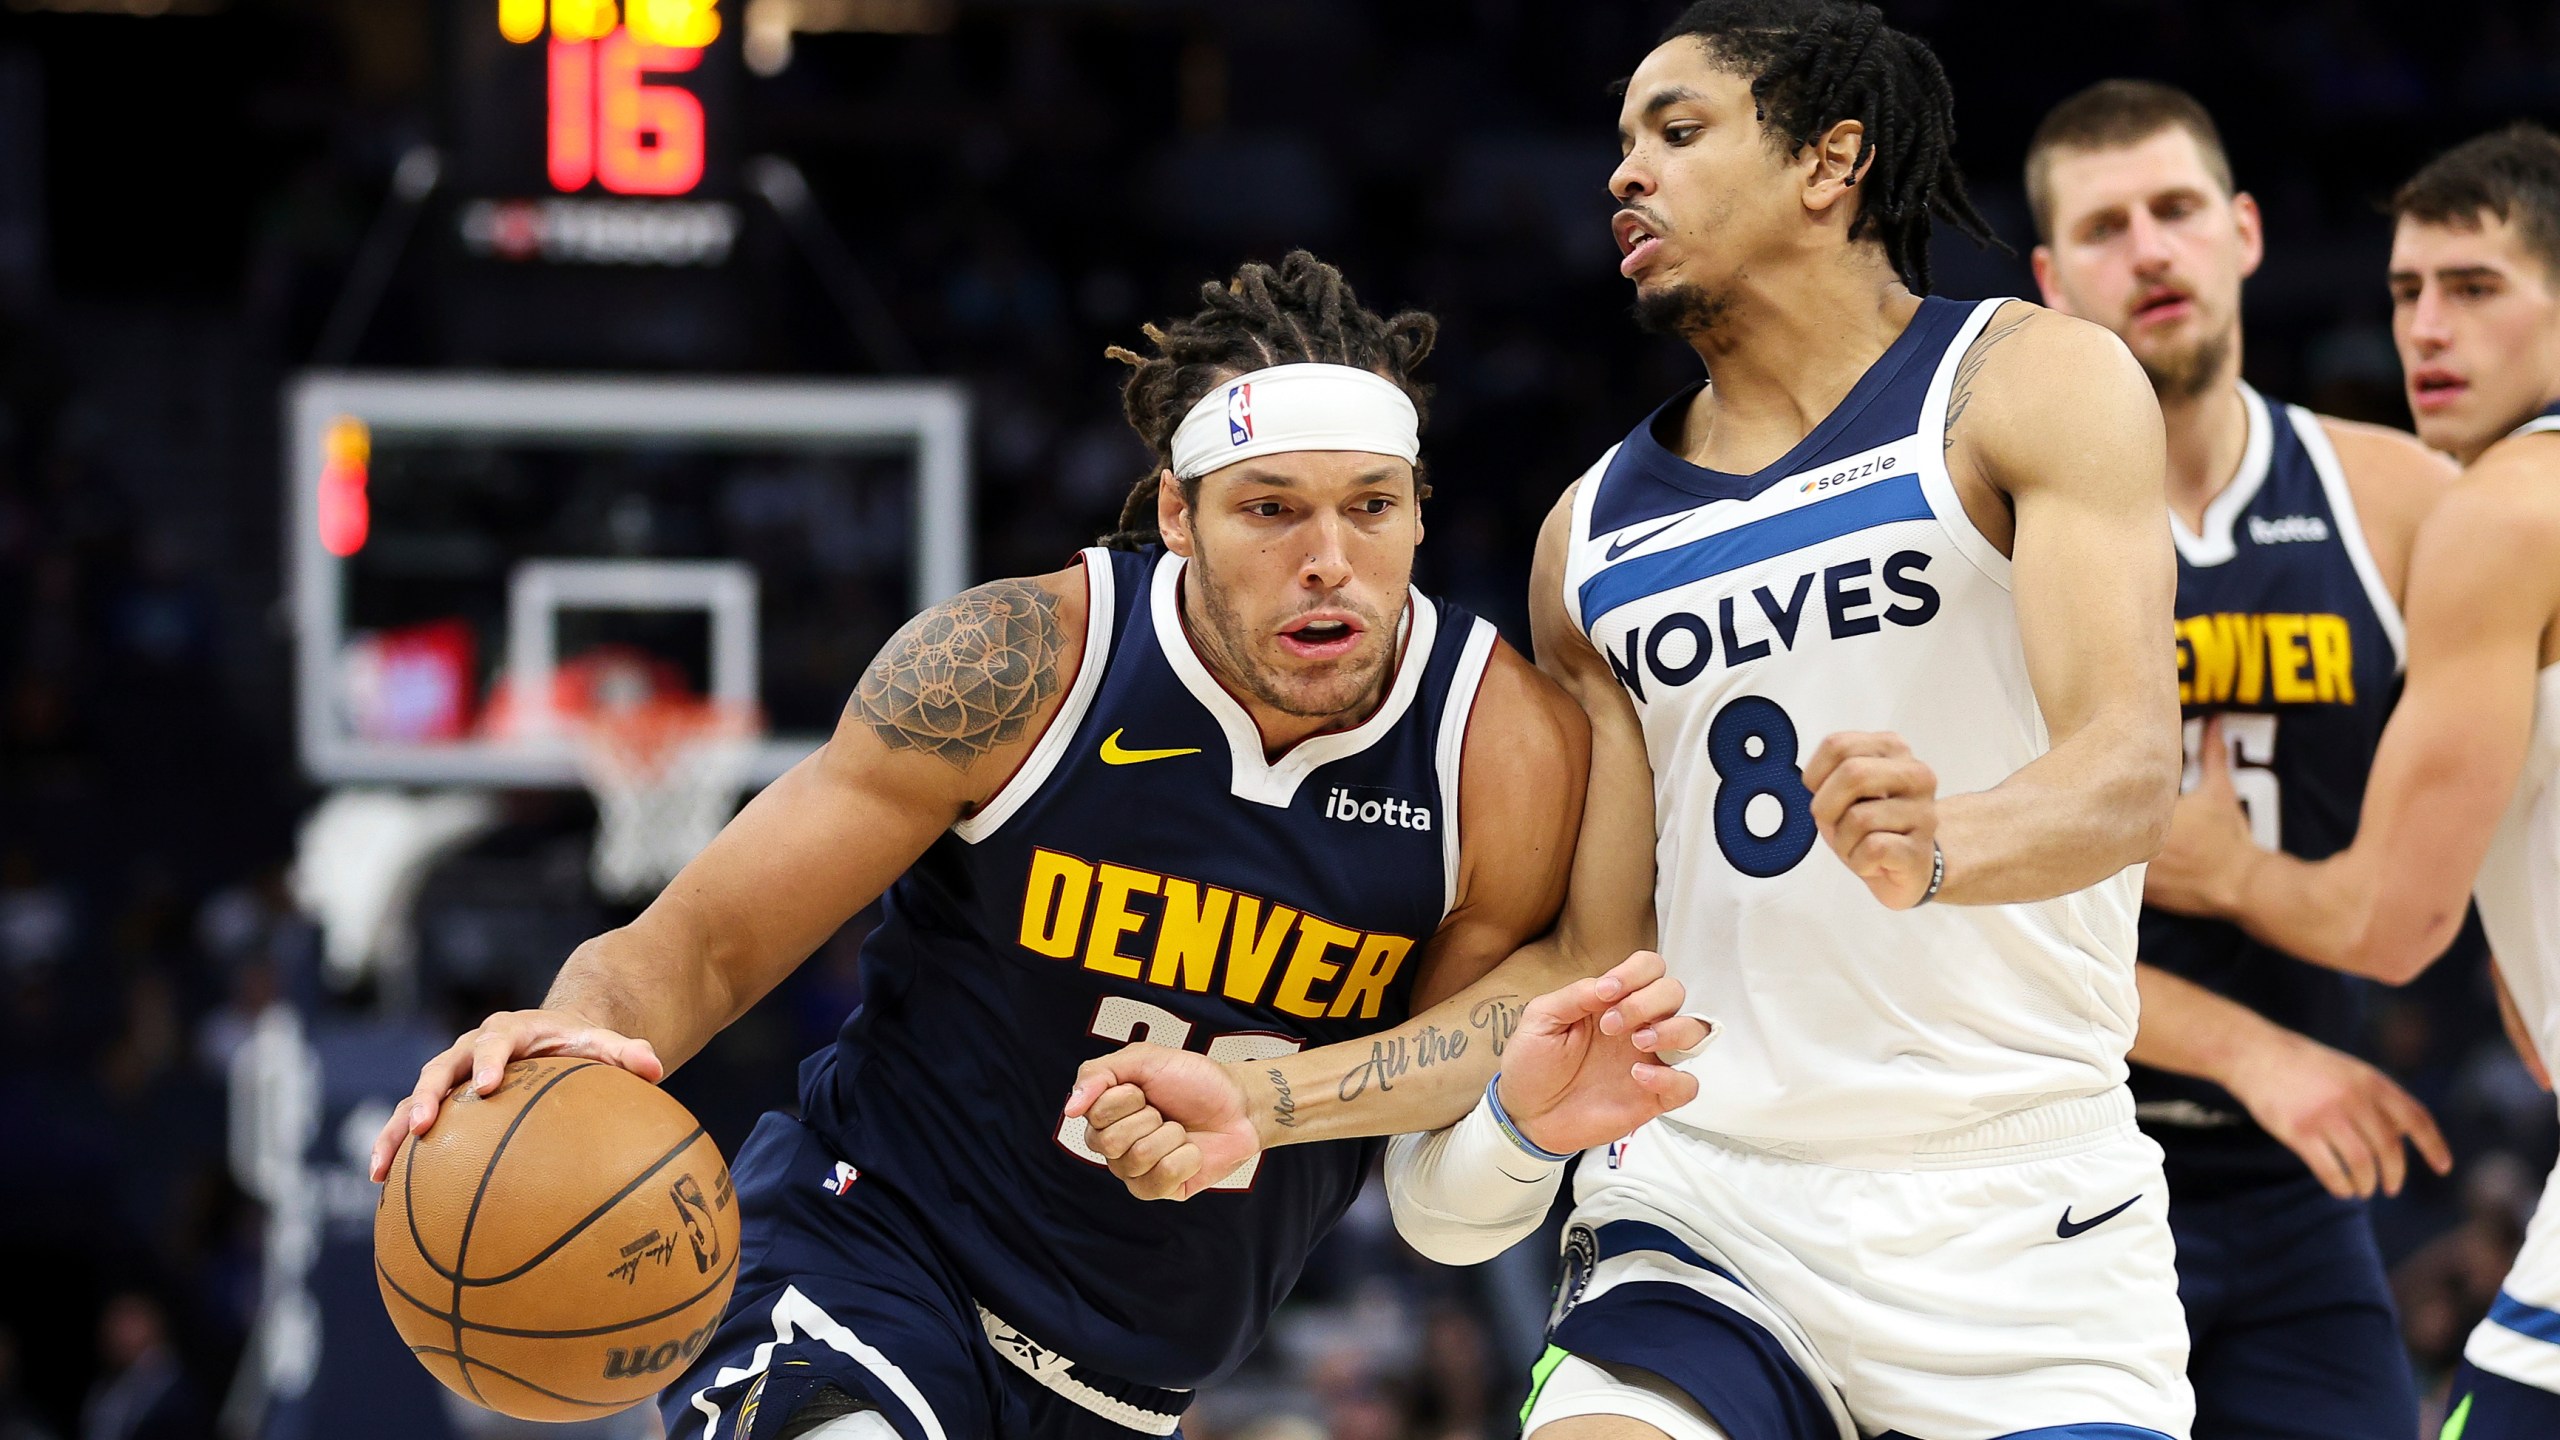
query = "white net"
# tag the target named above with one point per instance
(665, 778)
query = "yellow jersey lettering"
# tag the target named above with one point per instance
(2333, 658)
(1187, 935)
(2217, 655)
(1308, 967)
(1372, 971)
(2288, 654)
(1112, 918)
(2186, 663)
(1253, 945)
(1053, 904)
(2250, 632)
(1205, 937)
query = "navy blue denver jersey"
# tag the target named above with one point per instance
(1148, 875)
(2285, 630)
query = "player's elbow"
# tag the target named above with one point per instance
(2398, 954)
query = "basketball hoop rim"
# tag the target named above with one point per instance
(643, 745)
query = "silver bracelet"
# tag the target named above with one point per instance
(1937, 875)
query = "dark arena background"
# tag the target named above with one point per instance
(319, 318)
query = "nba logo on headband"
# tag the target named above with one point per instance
(1239, 413)
(1304, 405)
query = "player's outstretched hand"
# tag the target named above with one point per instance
(2204, 862)
(1584, 1067)
(1877, 807)
(481, 1056)
(2343, 1117)
(1170, 1123)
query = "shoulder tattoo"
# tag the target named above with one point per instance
(967, 675)
(1970, 367)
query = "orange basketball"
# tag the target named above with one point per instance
(560, 1249)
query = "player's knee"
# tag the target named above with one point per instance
(1588, 1400)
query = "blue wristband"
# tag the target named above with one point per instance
(1502, 1117)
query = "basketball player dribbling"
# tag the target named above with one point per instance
(2465, 794)
(2293, 533)
(1233, 784)
(1908, 545)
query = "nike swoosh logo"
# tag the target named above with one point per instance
(1621, 547)
(2067, 1227)
(1112, 754)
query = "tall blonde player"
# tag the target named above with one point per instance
(2293, 534)
(1899, 545)
(2463, 785)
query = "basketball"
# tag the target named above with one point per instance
(560, 1248)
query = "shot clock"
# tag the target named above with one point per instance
(595, 131)
(591, 215)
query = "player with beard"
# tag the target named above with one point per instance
(1232, 783)
(2465, 794)
(1895, 580)
(2293, 533)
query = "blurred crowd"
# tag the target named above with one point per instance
(181, 198)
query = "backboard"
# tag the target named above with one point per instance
(464, 545)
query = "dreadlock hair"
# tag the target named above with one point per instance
(1299, 311)
(1815, 63)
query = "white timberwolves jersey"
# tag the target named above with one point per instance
(2519, 894)
(2519, 887)
(1748, 616)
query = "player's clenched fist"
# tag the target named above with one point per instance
(1876, 805)
(1125, 1099)
(482, 1056)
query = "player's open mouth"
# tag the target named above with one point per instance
(2162, 305)
(1637, 241)
(2433, 389)
(1321, 635)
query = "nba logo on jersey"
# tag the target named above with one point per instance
(1239, 413)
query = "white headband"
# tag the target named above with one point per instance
(1296, 407)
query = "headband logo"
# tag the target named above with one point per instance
(1240, 413)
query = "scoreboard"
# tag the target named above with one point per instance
(592, 211)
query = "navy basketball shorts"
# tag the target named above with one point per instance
(2289, 1316)
(2509, 1384)
(2492, 1407)
(840, 1286)
(2013, 1279)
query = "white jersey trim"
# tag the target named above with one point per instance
(1586, 497)
(1251, 777)
(2342, 509)
(2213, 544)
(1936, 480)
(1061, 734)
(2536, 426)
(793, 1311)
(1460, 709)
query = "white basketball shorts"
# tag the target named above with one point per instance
(2521, 1337)
(2012, 1279)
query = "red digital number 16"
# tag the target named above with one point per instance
(609, 124)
